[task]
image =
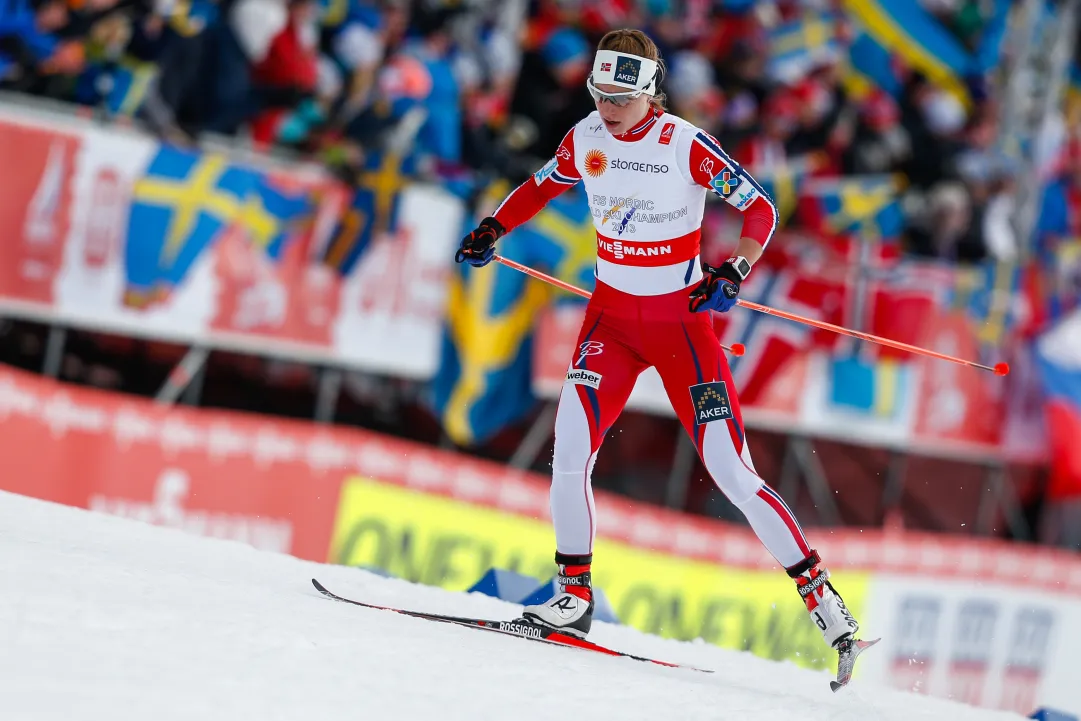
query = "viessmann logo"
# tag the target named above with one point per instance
(581, 377)
(620, 250)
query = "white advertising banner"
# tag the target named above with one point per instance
(109, 230)
(983, 644)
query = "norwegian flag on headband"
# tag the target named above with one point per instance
(606, 67)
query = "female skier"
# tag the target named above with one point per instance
(646, 174)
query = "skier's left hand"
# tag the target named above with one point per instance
(478, 248)
(718, 289)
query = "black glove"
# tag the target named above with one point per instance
(719, 288)
(478, 247)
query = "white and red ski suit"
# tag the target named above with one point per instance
(646, 190)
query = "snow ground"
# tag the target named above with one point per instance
(107, 619)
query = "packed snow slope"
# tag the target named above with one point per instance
(110, 619)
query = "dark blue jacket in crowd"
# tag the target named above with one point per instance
(20, 40)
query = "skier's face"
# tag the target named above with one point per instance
(621, 118)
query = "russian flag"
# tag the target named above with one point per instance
(1059, 356)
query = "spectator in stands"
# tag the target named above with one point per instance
(1058, 232)
(490, 140)
(934, 120)
(766, 152)
(1060, 214)
(402, 85)
(880, 143)
(242, 40)
(826, 122)
(440, 136)
(356, 44)
(949, 227)
(31, 51)
(990, 183)
(693, 91)
(740, 71)
(175, 36)
(288, 74)
(550, 92)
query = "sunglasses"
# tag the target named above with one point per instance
(618, 99)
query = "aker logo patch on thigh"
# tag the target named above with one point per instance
(582, 377)
(711, 402)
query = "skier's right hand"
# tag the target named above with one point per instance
(478, 247)
(718, 289)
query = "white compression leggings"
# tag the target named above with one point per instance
(574, 513)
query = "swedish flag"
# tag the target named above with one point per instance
(484, 380)
(1065, 276)
(336, 13)
(185, 201)
(875, 387)
(374, 209)
(903, 27)
(1073, 97)
(869, 66)
(179, 207)
(273, 211)
(985, 293)
(784, 182)
(130, 86)
(126, 85)
(796, 45)
(867, 205)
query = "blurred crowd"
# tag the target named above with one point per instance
(482, 89)
(479, 89)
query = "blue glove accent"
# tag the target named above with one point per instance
(724, 298)
(478, 248)
(477, 261)
(719, 290)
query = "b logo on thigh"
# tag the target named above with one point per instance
(589, 347)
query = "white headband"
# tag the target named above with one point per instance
(625, 70)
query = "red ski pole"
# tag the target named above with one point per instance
(736, 349)
(999, 369)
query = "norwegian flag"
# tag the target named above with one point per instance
(889, 299)
(773, 342)
(899, 301)
(606, 67)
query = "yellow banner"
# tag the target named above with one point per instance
(448, 543)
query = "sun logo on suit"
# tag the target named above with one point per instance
(596, 163)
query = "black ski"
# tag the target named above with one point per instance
(519, 628)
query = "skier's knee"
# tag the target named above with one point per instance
(573, 437)
(738, 483)
(571, 454)
(745, 493)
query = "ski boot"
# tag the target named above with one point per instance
(570, 611)
(829, 613)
